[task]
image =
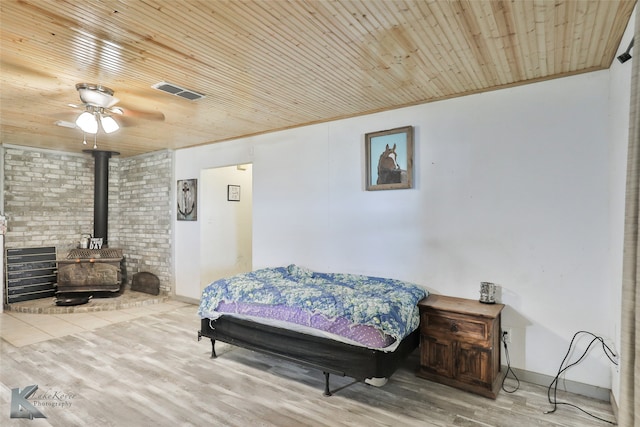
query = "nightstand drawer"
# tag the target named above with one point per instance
(448, 325)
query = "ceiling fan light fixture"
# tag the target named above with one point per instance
(108, 124)
(96, 95)
(87, 122)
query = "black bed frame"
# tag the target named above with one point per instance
(330, 356)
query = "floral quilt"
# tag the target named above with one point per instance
(389, 305)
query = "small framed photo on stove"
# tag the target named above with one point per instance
(96, 243)
(233, 193)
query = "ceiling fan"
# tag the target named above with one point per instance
(99, 106)
(98, 102)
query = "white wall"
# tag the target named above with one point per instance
(511, 186)
(620, 94)
(226, 227)
(187, 234)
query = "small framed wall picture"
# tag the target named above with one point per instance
(187, 200)
(233, 193)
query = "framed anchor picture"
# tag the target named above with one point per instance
(187, 198)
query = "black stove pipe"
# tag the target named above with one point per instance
(101, 194)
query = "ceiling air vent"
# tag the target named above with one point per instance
(178, 91)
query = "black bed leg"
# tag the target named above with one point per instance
(327, 392)
(213, 349)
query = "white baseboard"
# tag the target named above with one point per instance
(188, 300)
(614, 405)
(588, 390)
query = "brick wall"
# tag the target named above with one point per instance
(48, 201)
(144, 205)
(48, 198)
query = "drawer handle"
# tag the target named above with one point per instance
(453, 327)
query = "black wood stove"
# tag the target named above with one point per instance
(90, 270)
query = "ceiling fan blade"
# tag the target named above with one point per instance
(112, 102)
(139, 114)
(65, 124)
(68, 116)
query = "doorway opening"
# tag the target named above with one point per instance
(226, 228)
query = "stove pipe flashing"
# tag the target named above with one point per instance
(101, 194)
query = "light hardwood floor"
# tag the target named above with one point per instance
(148, 369)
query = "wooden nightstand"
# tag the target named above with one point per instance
(460, 344)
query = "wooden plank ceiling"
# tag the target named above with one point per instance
(275, 64)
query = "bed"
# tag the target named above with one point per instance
(350, 325)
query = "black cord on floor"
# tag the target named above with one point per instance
(506, 354)
(554, 384)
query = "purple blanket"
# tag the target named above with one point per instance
(367, 336)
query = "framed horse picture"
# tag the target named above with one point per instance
(389, 159)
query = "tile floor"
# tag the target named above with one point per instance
(20, 329)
